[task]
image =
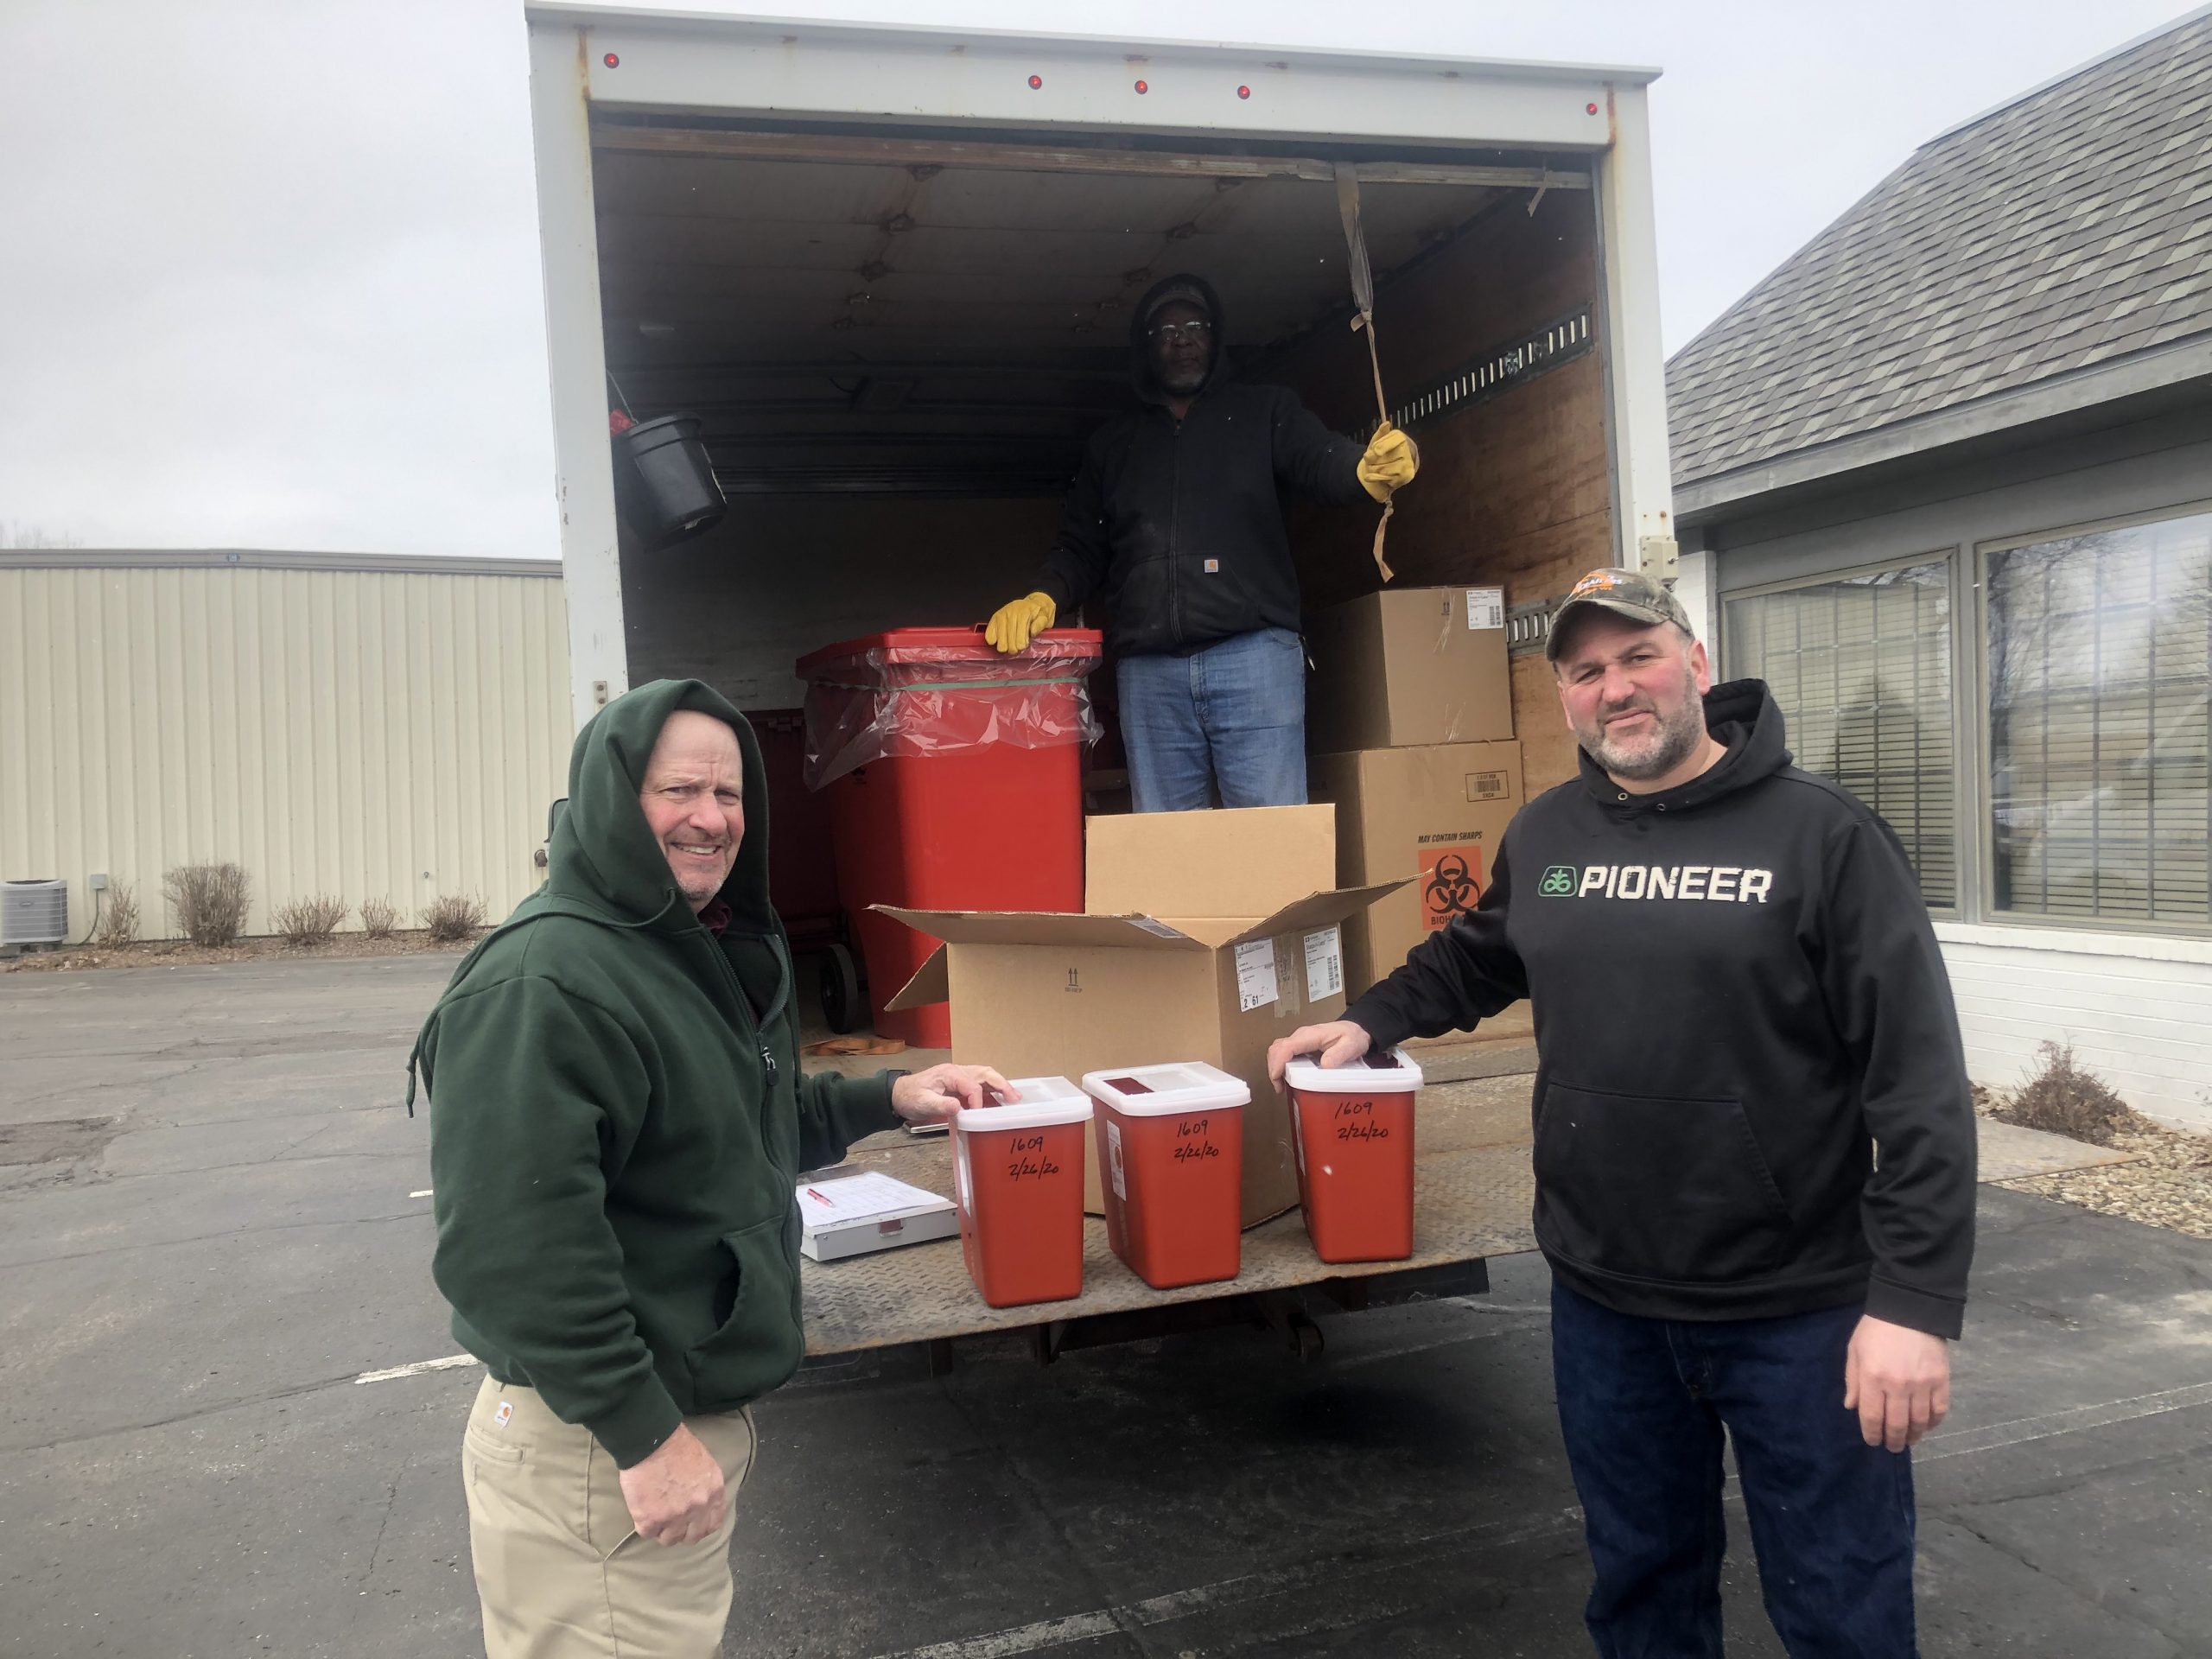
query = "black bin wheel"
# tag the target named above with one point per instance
(842, 1005)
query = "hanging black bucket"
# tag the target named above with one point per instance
(664, 482)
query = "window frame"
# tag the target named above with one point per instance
(1965, 864)
(1985, 835)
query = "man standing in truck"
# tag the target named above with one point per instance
(1754, 1147)
(1175, 523)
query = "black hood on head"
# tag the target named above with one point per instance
(1141, 375)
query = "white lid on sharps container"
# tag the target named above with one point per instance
(1045, 1102)
(1387, 1072)
(1157, 1091)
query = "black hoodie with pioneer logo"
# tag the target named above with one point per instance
(1177, 528)
(1738, 999)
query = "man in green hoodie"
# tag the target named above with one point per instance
(618, 1118)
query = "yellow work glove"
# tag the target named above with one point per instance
(1013, 626)
(1390, 464)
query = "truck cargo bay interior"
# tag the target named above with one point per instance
(899, 341)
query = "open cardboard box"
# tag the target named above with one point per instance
(1205, 936)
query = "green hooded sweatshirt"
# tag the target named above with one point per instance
(618, 1116)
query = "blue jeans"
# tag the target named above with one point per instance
(1642, 1403)
(1231, 717)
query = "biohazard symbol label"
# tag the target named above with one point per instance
(1451, 881)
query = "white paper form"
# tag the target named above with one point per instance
(862, 1197)
(1256, 974)
(1486, 607)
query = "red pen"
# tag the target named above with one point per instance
(811, 1193)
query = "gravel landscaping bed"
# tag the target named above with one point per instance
(178, 953)
(2167, 1184)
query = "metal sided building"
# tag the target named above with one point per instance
(369, 727)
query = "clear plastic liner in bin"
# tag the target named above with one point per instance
(941, 691)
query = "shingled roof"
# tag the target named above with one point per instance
(2071, 227)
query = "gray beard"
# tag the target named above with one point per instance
(1678, 740)
(1676, 747)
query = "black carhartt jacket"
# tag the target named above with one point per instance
(1177, 527)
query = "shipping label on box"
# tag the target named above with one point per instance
(1324, 963)
(1256, 974)
(1409, 667)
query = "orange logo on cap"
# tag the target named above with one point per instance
(1596, 579)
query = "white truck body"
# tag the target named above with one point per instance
(1534, 130)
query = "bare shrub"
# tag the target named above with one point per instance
(210, 901)
(379, 918)
(311, 920)
(453, 917)
(118, 917)
(2063, 1098)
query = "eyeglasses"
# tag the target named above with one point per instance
(1174, 332)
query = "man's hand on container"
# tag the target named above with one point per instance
(676, 1495)
(1012, 627)
(932, 1096)
(1338, 1043)
(1390, 462)
(1898, 1381)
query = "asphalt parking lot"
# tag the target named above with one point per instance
(215, 1438)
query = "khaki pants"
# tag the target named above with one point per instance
(560, 1570)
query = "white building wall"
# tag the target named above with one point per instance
(2137, 1010)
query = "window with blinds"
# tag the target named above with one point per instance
(2100, 674)
(1861, 668)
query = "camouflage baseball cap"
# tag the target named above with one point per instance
(1631, 593)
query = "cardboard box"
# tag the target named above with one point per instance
(1435, 817)
(1407, 666)
(1209, 934)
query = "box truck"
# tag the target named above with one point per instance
(890, 271)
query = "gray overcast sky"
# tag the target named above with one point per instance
(271, 271)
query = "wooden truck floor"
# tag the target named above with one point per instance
(1471, 1197)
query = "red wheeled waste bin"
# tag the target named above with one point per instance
(954, 781)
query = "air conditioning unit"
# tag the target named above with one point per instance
(33, 912)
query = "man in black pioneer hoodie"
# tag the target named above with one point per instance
(1754, 1146)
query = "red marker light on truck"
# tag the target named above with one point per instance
(1243, 91)
(612, 61)
(1036, 81)
(1144, 86)
(1589, 109)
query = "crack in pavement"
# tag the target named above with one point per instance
(2135, 1616)
(290, 1392)
(391, 1498)
(293, 1391)
(202, 1238)
(1033, 1494)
